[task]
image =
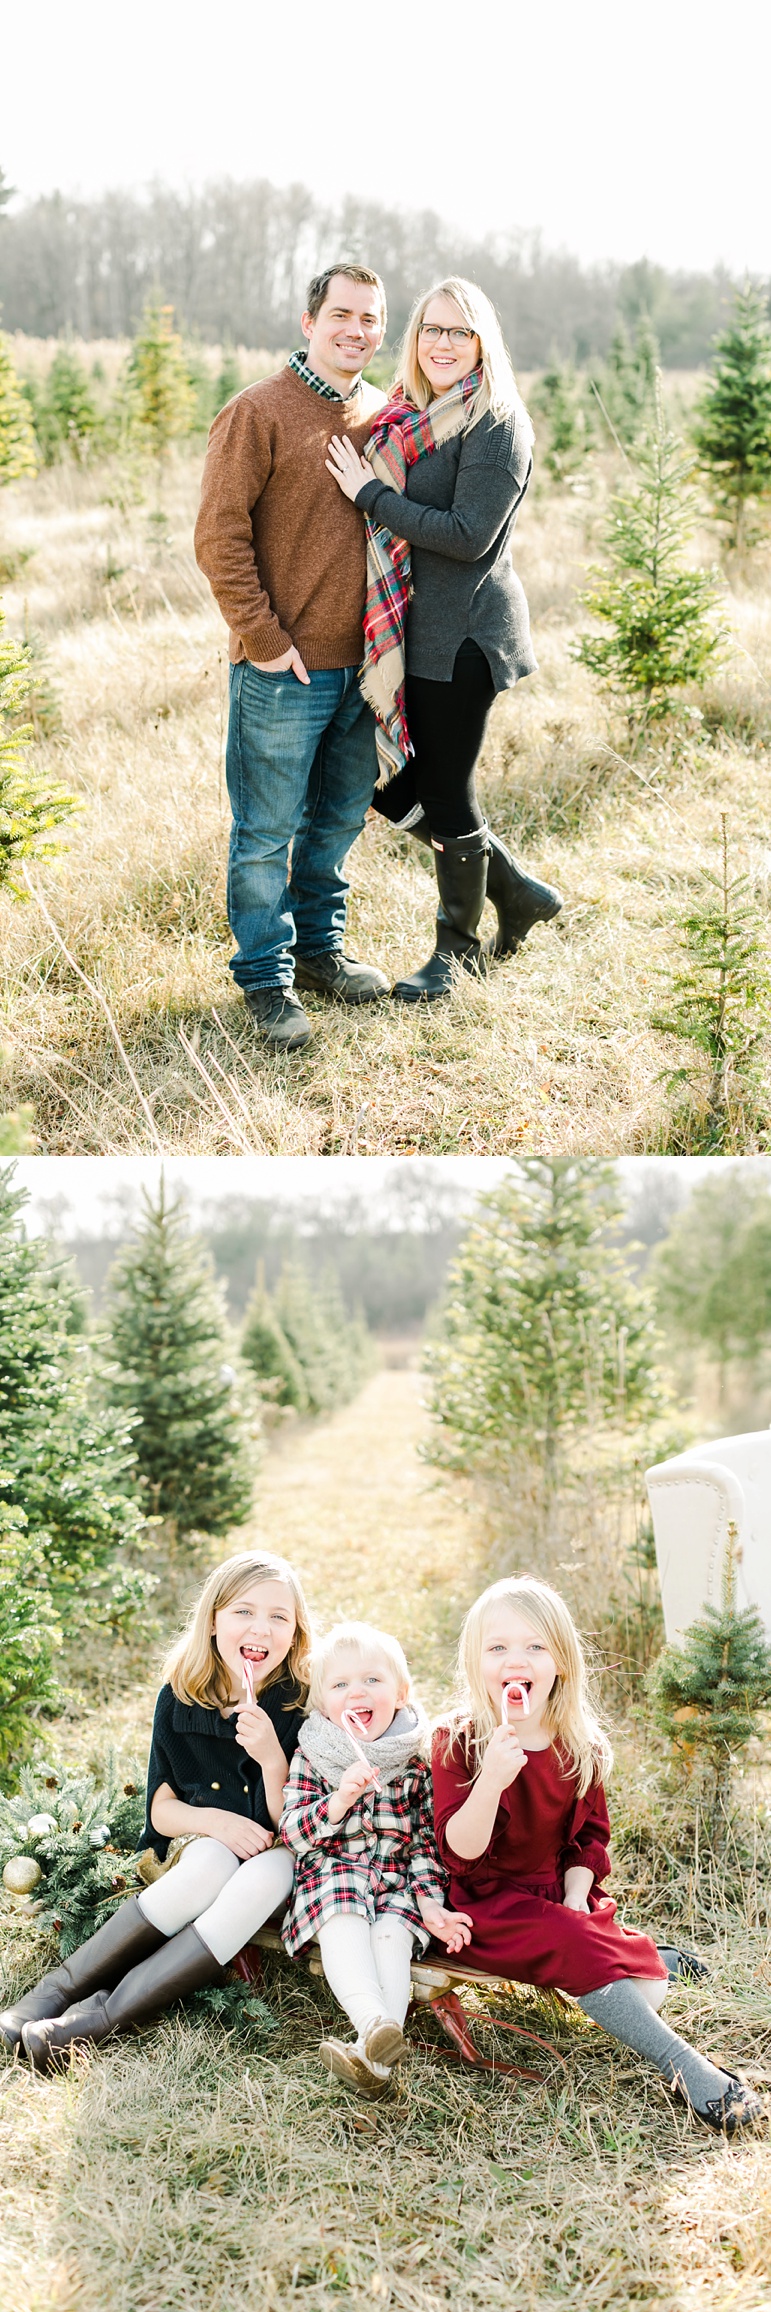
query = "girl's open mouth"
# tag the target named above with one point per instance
(362, 1712)
(514, 1686)
(254, 1653)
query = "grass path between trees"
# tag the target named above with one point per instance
(190, 2169)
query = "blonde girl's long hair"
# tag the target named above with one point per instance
(570, 1716)
(499, 391)
(194, 1667)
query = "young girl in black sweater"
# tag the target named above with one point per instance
(226, 1723)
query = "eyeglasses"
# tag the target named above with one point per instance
(456, 336)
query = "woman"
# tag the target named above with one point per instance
(444, 474)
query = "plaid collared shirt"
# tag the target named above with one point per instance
(298, 363)
(379, 1858)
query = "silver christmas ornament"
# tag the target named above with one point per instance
(41, 1825)
(21, 1874)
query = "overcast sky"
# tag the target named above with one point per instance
(617, 131)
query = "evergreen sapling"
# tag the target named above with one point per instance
(31, 808)
(708, 1691)
(732, 431)
(660, 630)
(17, 436)
(162, 400)
(721, 1003)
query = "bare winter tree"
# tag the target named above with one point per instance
(233, 259)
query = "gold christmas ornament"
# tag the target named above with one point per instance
(21, 1874)
(41, 1825)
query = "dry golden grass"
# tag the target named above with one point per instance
(555, 1050)
(188, 2171)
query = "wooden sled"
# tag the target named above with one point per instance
(437, 1984)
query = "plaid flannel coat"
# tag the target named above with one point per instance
(378, 1858)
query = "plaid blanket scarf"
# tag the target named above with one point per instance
(401, 435)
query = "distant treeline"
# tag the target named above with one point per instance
(234, 260)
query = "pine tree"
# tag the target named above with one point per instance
(30, 808)
(543, 1331)
(722, 1004)
(66, 1459)
(711, 1274)
(707, 1691)
(558, 397)
(162, 400)
(29, 1632)
(17, 438)
(265, 1348)
(732, 432)
(230, 381)
(627, 387)
(168, 1339)
(334, 1352)
(65, 414)
(662, 632)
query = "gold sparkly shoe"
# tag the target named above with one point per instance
(343, 2064)
(385, 2043)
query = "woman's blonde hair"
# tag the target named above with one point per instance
(194, 1667)
(570, 1717)
(355, 1638)
(499, 391)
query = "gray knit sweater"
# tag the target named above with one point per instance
(458, 514)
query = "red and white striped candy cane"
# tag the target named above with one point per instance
(349, 1720)
(514, 1687)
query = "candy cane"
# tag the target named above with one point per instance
(514, 1687)
(249, 1681)
(348, 1720)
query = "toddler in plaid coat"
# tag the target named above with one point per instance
(358, 1820)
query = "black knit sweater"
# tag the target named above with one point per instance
(196, 1752)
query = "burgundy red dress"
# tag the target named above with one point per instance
(513, 1892)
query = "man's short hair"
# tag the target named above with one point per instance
(362, 274)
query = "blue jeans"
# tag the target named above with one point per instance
(301, 769)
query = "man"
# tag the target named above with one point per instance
(285, 556)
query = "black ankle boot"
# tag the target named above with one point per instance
(182, 1965)
(461, 873)
(519, 900)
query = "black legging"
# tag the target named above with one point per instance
(446, 722)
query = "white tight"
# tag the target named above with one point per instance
(226, 1900)
(368, 1967)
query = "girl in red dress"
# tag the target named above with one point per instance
(522, 1828)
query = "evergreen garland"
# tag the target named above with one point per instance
(85, 1847)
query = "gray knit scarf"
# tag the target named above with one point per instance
(331, 1750)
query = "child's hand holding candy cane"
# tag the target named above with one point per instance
(357, 1778)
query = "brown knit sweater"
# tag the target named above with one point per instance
(283, 550)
